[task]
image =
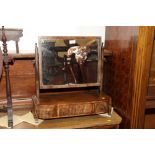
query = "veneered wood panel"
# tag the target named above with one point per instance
(149, 121)
(121, 40)
(128, 71)
(72, 104)
(22, 79)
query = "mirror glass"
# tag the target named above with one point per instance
(69, 60)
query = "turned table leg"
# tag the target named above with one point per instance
(8, 88)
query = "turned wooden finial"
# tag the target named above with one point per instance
(36, 48)
(4, 39)
(3, 35)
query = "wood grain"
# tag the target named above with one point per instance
(149, 118)
(93, 121)
(21, 78)
(121, 40)
(128, 70)
(72, 104)
(141, 75)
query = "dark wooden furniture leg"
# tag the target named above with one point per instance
(8, 88)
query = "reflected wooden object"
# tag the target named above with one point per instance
(71, 65)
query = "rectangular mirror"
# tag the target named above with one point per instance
(69, 62)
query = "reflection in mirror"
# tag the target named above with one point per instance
(67, 61)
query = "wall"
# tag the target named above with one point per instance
(30, 34)
(48, 18)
